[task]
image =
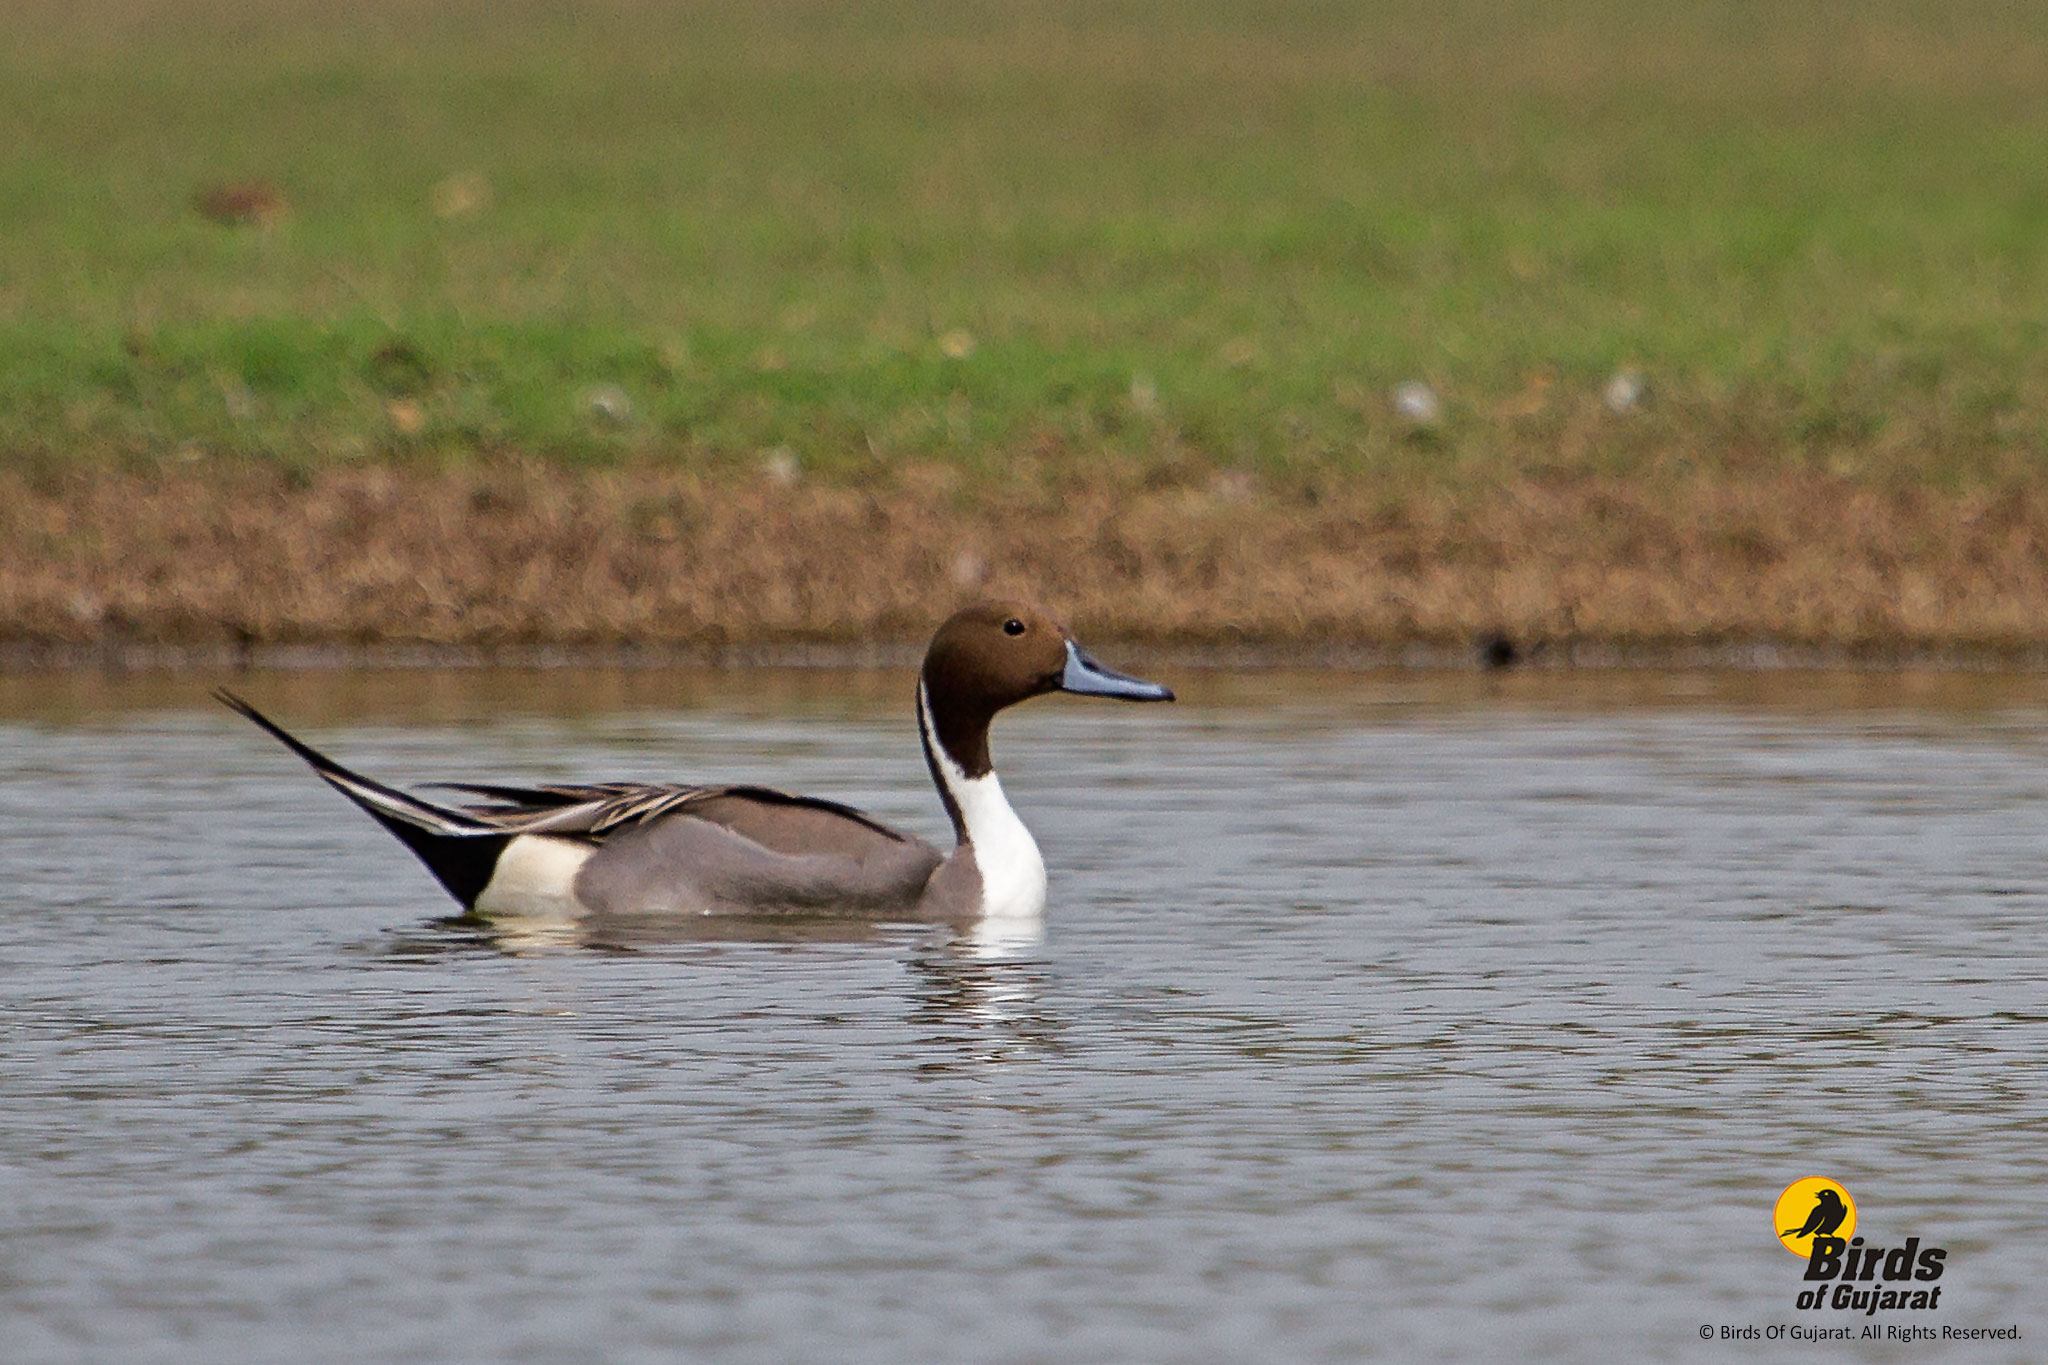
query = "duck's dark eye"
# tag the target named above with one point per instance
(1013, 627)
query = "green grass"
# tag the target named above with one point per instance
(1180, 233)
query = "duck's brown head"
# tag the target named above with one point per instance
(996, 654)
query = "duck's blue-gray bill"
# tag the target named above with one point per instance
(1091, 679)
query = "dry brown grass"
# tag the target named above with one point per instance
(515, 553)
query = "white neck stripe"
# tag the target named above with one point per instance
(1012, 870)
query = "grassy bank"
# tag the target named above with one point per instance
(957, 263)
(505, 554)
(953, 231)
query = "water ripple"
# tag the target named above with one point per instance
(1366, 1025)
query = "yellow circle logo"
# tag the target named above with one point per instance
(1813, 1207)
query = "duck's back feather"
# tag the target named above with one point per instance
(598, 810)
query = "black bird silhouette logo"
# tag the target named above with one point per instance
(1828, 1213)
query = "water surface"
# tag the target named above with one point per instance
(1377, 1016)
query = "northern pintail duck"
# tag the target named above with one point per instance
(637, 849)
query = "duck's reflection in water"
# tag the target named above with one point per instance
(984, 998)
(979, 990)
(986, 942)
(458, 934)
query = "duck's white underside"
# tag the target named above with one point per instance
(536, 879)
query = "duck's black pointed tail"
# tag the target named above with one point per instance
(460, 850)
